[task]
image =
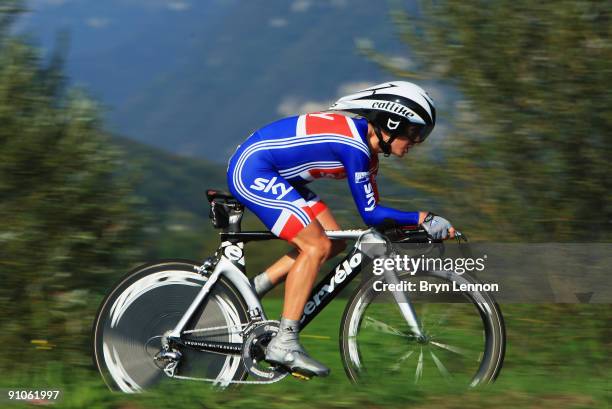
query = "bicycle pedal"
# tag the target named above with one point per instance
(300, 376)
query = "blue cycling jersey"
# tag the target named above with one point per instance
(269, 171)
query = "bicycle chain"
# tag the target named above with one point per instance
(211, 380)
(237, 382)
(241, 327)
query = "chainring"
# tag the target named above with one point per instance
(256, 338)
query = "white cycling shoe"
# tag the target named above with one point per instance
(293, 357)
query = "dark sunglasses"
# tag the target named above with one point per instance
(416, 133)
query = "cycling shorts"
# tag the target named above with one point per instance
(283, 207)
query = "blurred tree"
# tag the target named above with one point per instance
(9, 10)
(67, 221)
(529, 151)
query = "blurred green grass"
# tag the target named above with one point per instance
(558, 356)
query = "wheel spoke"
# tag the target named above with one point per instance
(385, 328)
(435, 325)
(396, 365)
(419, 369)
(456, 350)
(423, 316)
(440, 365)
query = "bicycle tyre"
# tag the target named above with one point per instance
(488, 309)
(166, 288)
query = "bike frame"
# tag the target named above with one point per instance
(229, 261)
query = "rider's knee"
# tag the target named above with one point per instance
(318, 249)
(327, 248)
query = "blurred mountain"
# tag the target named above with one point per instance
(170, 182)
(172, 190)
(196, 77)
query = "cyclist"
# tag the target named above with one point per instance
(269, 171)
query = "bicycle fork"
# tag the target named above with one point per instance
(405, 306)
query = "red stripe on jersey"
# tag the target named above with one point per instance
(319, 123)
(293, 225)
(333, 173)
(308, 210)
(318, 208)
(291, 228)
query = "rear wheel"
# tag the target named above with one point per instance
(464, 339)
(150, 301)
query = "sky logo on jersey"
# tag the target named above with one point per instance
(361, 177)
(270, 185)
(371, 200)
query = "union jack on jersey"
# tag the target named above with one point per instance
(268, 172)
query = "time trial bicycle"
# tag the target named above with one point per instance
(202, 321)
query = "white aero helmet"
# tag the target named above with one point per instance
(393, 106)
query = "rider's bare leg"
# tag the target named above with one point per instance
(313, 248)
(279, 270)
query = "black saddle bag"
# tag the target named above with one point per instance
(225, 210)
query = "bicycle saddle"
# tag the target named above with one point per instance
(212, 194)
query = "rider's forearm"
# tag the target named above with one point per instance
(378, 215)
(422, 216)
